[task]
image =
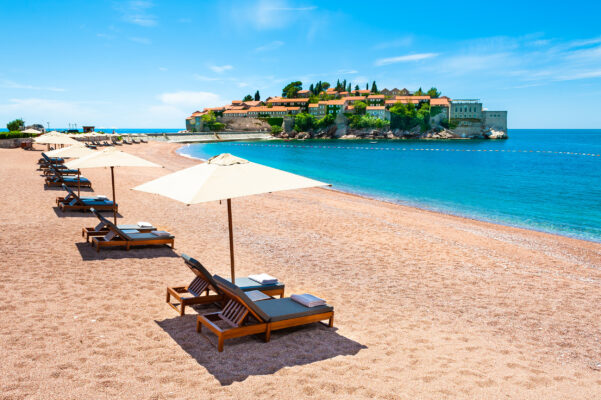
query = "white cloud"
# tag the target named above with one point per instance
(347, 71)
(14, 85)
(136, 12)
(276, 44)
(407, 58)
(242, 84)
(220, 68)
(140, 40)
(204, 78)
(271, 14)
(572, 76)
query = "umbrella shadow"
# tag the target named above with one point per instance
(79, 214)
(250, 355)
(89, 253)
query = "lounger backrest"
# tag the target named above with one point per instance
(110, 225)
(46, 157)
(230, 288)
(193, 263)
(72, 193)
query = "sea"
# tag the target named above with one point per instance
(546, 180)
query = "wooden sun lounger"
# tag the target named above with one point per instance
(50, 160)
(72, 202)
(101, 229)
(58, 180)
(242, 317)
(120, 237)
(198, 291)
(60, 169)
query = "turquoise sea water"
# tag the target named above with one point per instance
(529, 180)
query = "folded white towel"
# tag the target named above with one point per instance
(101, 197)
(143, 224)
(308, 300)
(263, 279)
(161, 233)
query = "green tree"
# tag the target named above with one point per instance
(348, 88)
(291, 89)
(419, 92)
(356, 87)
(312, 89)
(276, 129)
(325, 85)
(367, 86)
(374, 88)
(209, 118)
(303, 122)
(325, 121)
(434, 93)
(257, 96)
(15, 125)
(337, 85)
(248, 97)
(343, 86)
(360, 108)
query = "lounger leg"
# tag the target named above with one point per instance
(268, 333)
(168, 296)
(182, 307)
(198, 325)
(220, 344)
(331, 324)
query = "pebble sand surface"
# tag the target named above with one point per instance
(427, 305)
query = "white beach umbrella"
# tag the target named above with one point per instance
(225, 177)
(55, 138)
(110, 157)
(31, 131)
(75, 151)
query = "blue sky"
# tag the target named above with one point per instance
(149, 64)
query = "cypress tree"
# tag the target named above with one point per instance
(257, 96)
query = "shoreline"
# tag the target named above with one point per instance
(426, 209)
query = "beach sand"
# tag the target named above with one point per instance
(427, 305)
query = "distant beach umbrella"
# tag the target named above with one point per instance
(225, 177)
(55, 138)
(31, 131)
(110, 157)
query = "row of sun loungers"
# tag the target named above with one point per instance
(248, 307)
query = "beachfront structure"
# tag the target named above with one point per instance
(472, 118)
(376, 99)
(285, 102)
(395, 92)
(378, 112)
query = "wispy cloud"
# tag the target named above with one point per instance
(14, 85)
(140, 40)
(276, 44)
(205, 78)
(272, 14)
(347, 71)
(137, 12)
(162, 69)
(406, 58)
(220, 68)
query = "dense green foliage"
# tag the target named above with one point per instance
(210, 121)
(15, 125)
(374, 87)
(291, 89)
(360, 107)
(14, 135)
(303, 122)
(433, 93)
(419, 92)
(367, 121)
(407, 116)
(257, 96)
(325, 121)
(276, 129)
(275, 121)
(452, 124)
(248, 97)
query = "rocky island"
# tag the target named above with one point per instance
(326, 112)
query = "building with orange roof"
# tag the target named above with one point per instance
(235, 113)
(378, 112)
(303, 93)
(376, 99)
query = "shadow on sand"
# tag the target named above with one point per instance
(250, 355)
(79, 214)
(88, 253)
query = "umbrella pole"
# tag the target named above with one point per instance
(229, 221)
(78, 184)
(114, 200)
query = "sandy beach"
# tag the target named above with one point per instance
(427, 305)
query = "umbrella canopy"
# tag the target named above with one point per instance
(74, 151)
(225, 177)
(112, 158)
(32, 131)
(55, 138)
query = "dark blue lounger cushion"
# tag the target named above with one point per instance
(282, 309)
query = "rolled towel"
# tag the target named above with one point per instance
(143, 224)
(264, 279)
(101, 197)
(161, 233)
(308, 300)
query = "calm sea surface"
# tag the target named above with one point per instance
(539, 179)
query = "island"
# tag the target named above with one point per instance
(341, 112)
